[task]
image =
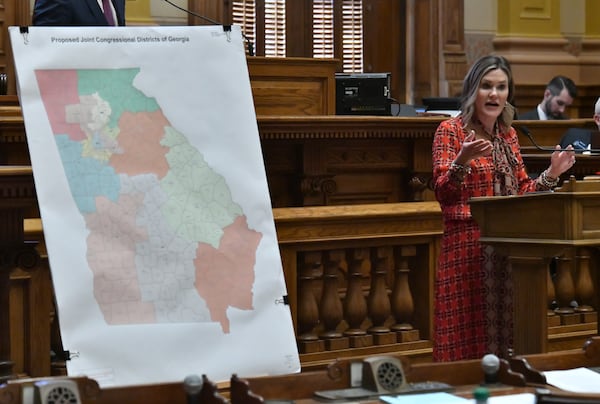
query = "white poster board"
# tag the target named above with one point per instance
(154, 202)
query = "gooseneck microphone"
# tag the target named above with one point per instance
(527, 132)
(249, 43)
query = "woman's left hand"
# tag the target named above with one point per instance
(561, 161)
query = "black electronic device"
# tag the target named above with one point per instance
(442, 103)
(362, 93)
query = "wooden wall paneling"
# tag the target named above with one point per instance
(298, 35)
(284, 163)
(12, 13)
(215, 10)
(31, 301)
(17, 194)
(292, 86)
(384, 38)
(452, 33)
(259, 40)
(7, 15)
(349, 159)
(439, 57)
(426, 53)
(369, 171)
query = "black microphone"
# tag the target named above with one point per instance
(527, 132)
(249, 43)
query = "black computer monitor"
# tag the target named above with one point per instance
(363, 93)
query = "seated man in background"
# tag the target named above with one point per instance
(559, 94)
(580, 138)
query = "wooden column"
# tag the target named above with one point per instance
(17, 193)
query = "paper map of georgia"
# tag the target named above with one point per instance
(166, 242)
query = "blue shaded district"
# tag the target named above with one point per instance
(88, 177)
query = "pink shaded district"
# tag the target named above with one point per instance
(111, 257)
(59, 89)
(224, 276)
(139, 139)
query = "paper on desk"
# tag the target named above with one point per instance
(525, 398)
(424, 398)
(447, 398)
(578, 380)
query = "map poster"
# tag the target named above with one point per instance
(154, 202)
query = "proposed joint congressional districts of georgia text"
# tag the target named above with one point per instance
(166, 241)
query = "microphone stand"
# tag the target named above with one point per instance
(526, 132)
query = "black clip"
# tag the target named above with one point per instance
(227, 30)
(284, 300)
(65, 355)
(25, 32)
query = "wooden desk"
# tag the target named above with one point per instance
(464, 375)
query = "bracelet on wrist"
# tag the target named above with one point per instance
(458, 171)
(547, 181)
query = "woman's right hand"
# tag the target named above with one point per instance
(473, 148)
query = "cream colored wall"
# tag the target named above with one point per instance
(572, 17)
(480, 22)
(165, 14)
(480, 16)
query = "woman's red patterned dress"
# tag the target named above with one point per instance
(473, 309)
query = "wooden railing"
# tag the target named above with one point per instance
(360, 278)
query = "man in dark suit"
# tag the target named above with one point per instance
(64, 13)
(559, 94)
(580, 138)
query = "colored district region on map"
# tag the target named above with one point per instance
(166, 242)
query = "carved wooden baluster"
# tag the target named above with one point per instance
(584, 285)
(565, 289)
(378, 301)
(355, 304)
(330, 308)
(402, 300)
(308, 309)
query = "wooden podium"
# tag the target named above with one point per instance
(529, 230)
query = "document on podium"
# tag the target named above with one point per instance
(154, 202)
